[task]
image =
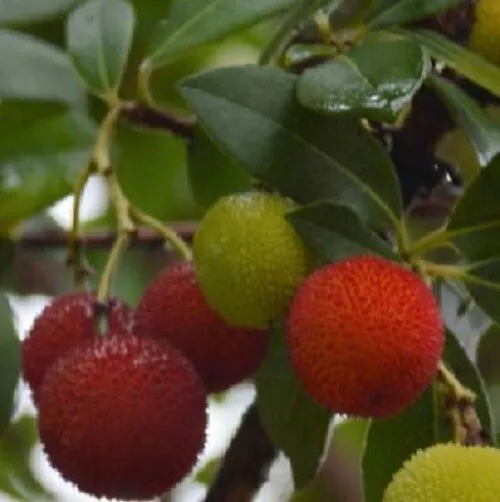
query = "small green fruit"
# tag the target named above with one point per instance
(248, 258)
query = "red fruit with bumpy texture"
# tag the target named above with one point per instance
(173, 308)
(365, 336)
(63, 324)
(123, 417)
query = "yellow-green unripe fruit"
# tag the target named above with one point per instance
(485, 35)
(448, 473)
(248, 258)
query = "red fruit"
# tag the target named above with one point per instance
(62, 325)
(173, 308)
(123, 417)
(365, 336)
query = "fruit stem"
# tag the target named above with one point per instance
(442, 270)
(74, 256)
(453, 386)
(436, 239)
(167, 233)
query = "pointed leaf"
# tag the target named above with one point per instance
(14, 11)
(483, 131)
(35, 70)
(252, 113)
(393, 12)
(212, 173)
(475, 223)
(464, 61)
(99, 36)
(295, 424)
(192, 23)
(375, 79)
(9, 362)
(335, 232)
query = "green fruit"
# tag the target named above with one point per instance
(485, 37)
(248, 258)
(448, 472)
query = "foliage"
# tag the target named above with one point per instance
(133, 90)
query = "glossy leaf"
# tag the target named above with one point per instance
(192, 23)
(98, 37)
(35, 70)
(212, 173)
(296, 425)
(475, 223)
(40, 167)
(464, 61)
(420, 426)
(9, 362)
(303, 155)
(375, 79)
(335, 232)
(483, 131)
(15, 11)
(394, 12)
(16, 476)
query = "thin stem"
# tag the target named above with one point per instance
(101, 149)
(168, 233)
(435, 239)
(110, 267)
(452, 385)
(443, 270)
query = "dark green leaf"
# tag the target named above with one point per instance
(299, 54)
(99, 35)
(212, 173)
(475, 224)
(462, 60)
(192, 23)
(375, 79)
(296, 425)
(151, 169)
(15, 11)
(35, 70)
(483, 283)
(335, 232)
(483, 131)
(7, 253)
(315, 491)
(16, 476)
(488, 352)
(393, 12)
(9, 362)
(252, 113)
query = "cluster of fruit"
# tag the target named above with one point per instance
(123, 409)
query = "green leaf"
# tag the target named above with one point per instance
(207, 473)
(40, 167)
(35, 70)
(335, 232)
(212, 173)
(15, 11)
(393, 12)
(375, 79)
(192, 23)
(483, 130)
(472, 66)
(16, 476)
(487, 356)
(252, 113)
(483, 284)
(475, 223)
(420, 426)
(9, 362)
(98, 37)
(295, 424)
(298, 55)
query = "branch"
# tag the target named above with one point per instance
(102, 239)
(143, 115)
(246, 462)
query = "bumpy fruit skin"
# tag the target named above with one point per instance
(448, 472)
(364, 336)
(173, 308)
(248, 258)
(62, 325)
(123, 417)
(484, 37)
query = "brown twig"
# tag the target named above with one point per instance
(137, 113)
(102, 239)
(246, 463)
